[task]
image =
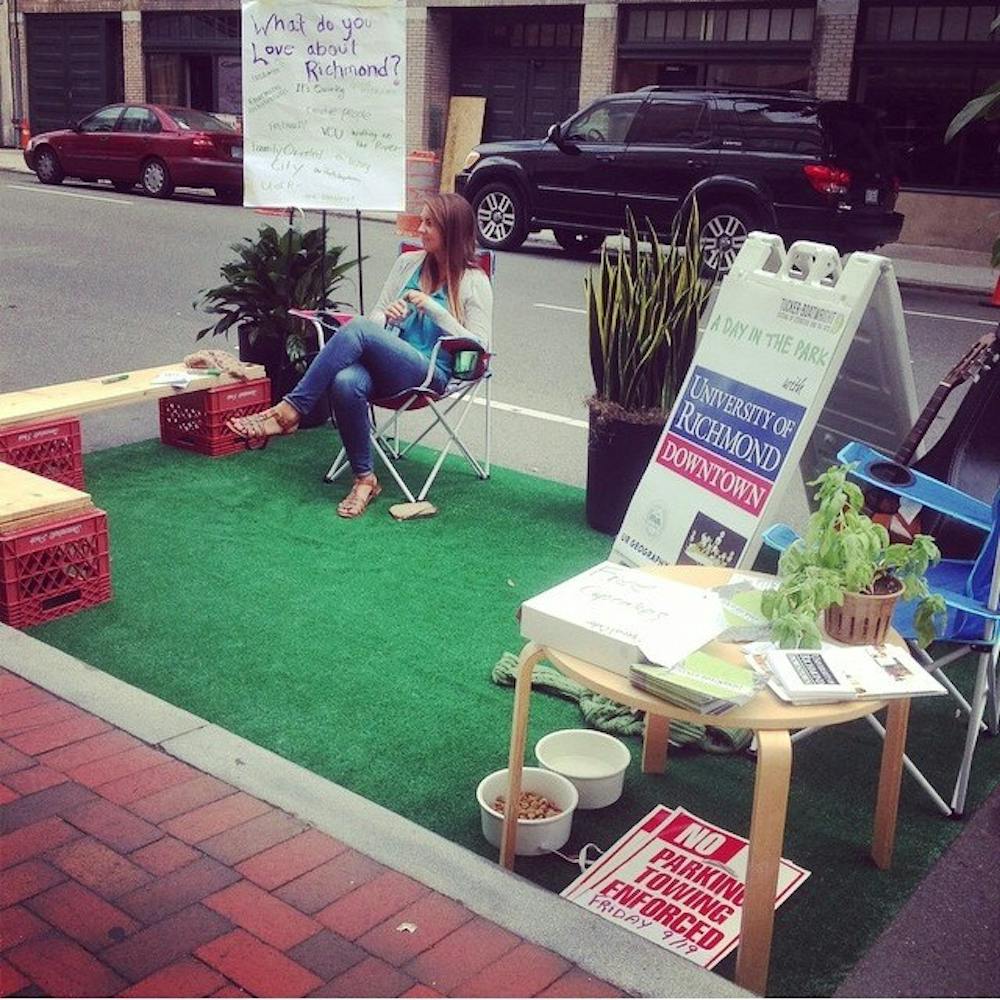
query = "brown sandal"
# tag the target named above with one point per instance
(363, 492)
(254, 428)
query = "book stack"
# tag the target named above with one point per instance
(701, 683)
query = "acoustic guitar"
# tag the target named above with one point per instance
(902, 518)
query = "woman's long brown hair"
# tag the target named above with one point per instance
(452, 214)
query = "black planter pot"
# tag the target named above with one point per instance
(617, 455)
(282, 373)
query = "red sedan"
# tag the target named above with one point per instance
(157, 147)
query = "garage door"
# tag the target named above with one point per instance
(525, 63)
(74, 66)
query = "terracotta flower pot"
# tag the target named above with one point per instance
(863, 619)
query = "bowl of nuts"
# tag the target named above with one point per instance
(545, 810)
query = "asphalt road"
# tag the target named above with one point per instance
(93, 282)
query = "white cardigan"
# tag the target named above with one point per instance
(475, 294)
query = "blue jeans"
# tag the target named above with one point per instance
(360, 362)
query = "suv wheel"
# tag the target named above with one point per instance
(500, 217)
(578, 244)
(47, 167)
(724, 230)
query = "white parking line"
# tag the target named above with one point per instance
(908, 312)
(957, 319)
(524, 411)
(71, 194)
(565, 309)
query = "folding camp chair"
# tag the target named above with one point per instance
(971, 590)
(471, 377)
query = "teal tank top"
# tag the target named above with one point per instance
(421, 331)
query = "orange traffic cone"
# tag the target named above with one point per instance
(995, 299)
(25, 133)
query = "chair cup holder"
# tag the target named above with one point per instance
(891, 474)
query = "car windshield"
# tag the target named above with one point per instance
(197, 121)
(854, 135)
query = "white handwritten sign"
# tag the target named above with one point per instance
(324, 94)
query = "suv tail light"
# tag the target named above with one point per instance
(827, 179)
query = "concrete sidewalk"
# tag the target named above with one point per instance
(146, 852)
(931, 268)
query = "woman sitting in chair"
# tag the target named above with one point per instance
(431, 293)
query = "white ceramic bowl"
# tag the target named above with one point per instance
(595, 763)
(534, 836)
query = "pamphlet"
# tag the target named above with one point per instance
(613, 616)
(741, 599)
(678, 882)
(845, 673)
(701, 683)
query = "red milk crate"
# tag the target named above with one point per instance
(196, 421)
(49, 448)
(54, 569)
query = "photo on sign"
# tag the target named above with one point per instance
(710, 543)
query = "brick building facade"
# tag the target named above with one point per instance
(535, 61)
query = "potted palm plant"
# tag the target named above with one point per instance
(269, 275)
(642, 315)
(845, 568)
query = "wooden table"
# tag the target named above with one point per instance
(771, 721)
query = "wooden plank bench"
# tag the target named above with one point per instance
(91, 394)
(27, 500)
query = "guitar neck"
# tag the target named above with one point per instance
(908, 448)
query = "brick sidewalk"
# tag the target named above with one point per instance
(126, 872)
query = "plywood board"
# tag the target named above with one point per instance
(87, 395)
(465, 130)
(25, 495)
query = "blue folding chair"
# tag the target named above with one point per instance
(971, 591)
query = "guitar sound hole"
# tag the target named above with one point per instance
(891, 473)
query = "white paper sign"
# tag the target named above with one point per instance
(324, 102)
(679, 882)
(769, 353)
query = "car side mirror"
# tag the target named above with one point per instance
(555, 134)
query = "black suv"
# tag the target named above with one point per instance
(785, 163)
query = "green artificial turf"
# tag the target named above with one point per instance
(362, 650)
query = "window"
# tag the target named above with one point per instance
(608, 121)
(916, 104)
(692, 23)
(139, 120)
(776, 126)
(103, 120)
(903, 23)
(196, 121)
(671, 123)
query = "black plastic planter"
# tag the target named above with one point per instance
(282, 373)
(617, 455)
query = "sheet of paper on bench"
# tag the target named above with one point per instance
(613, 615)
(178, 378)
(87, 395)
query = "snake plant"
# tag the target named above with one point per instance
(270, 275)
(642, 315)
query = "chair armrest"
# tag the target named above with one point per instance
(456, 344)
(962, 602)
(924, 490)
